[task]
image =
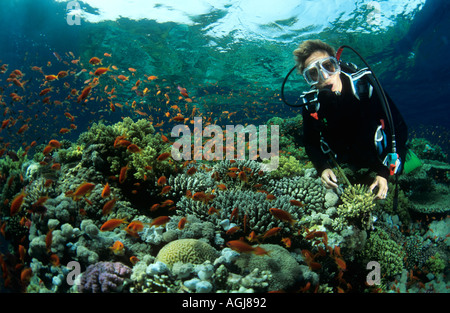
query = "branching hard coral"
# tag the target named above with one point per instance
(114, 154)
(388, 253)
(240, 174)
(307, 189)
(288, 167)
(357, 207)
(252, 207)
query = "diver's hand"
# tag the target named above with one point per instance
(382, 184)
(329, 179)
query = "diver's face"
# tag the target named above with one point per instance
(333, 80)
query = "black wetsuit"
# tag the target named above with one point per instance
(348, 126)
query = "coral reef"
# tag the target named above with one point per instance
(322, 237)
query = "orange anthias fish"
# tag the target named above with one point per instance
(84, 94)
(108, 206)
(282, 215)
(272, 232)
(297, 203)
(117, 248)
(240, 246)
(106, 191)
(133, 148)
(134, 227)
(123, 174)
(54, 143)
(112, 223)
(165, 190)
(163, 156)
(95, 60)
(25, 275)
(16, 204)
(162, 180)
(48, 240)
(243, 247)
(243, 177)
(160, 221)
(182, 223)
(82, 190)
(101, 71)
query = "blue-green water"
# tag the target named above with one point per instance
(231, 58)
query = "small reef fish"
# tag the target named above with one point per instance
(163, 156)
(83, 190)
(282, 215)
(182, 223)
(101, 71)
(123, 174)
(84, 93)
(191, 171)
(165, 190)
(160, 221)
(297, 203)
(16, 204)
(162, 181)
(133, 148)
(112, 223)
(134, 227)
(54, 143)
(243, 247)
(272, 232)
(106, 191)
(95, 61)
(108, 206)
(117, 248)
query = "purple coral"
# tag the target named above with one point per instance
(104, 277)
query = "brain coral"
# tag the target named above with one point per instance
(186, 251)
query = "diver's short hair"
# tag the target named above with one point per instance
(308, 47)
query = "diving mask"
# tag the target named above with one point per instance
(321, 70)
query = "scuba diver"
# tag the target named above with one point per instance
(348, 118)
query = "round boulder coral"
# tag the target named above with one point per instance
(186, 251)
(285, 270)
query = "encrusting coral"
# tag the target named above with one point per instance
(104, 277)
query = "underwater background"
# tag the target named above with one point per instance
(91, 90)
